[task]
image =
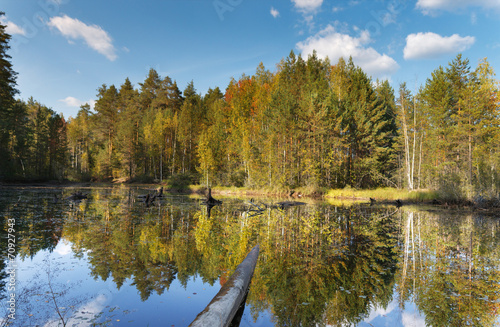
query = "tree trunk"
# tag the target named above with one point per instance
(174, 139)
(161, 164)
(407, 146)
(470, 152)
(420, 161)
(414, 142)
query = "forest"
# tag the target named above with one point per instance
(308, 123)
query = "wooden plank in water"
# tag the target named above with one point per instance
(223, 307)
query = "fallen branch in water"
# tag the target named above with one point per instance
(223, 307)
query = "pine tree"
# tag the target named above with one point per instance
(150, 88)
(484, 131)
(58, 147)
(366, 129)
(436, 105)
(105, 121)
(191, 119)
(81, 143)
(18, 141)
(7, 115)
(127, 134)
(386, 97)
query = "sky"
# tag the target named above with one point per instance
(64, 50)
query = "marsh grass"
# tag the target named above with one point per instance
(381, 194)
(345, 194)
(389, 194)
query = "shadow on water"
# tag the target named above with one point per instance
(319, 264)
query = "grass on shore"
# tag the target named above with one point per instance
(381, 194)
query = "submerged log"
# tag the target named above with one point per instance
(77, 196)
(255, 209)
(286, 204)
(223, 307)
(149, 198)
(210, 200)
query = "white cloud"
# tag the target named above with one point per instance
(431, 45)
(88, 311)
(413, 319)
(95, 37)
(410, 316)
(11, 28)
(307, 5)
(431, 6)
(378, 311)
(63, 247)
(275, 13)
(334, 45)
(74, 102)
(71, 102)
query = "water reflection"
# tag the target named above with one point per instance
(319, 264)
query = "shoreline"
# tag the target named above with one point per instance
(382, 196)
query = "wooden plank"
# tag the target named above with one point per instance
(223, 307)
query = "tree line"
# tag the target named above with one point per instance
(310, 123)
(32, 136)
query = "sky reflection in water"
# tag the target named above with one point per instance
(116, 262)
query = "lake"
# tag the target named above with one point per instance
(111, 260)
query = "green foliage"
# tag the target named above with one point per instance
(460, 122)
(33, 143)
(310, 124)
(8, 112)
(37, 146)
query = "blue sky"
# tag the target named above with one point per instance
(64, 50)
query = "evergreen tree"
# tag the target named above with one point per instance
(7, 113)
(366, 128)
(58, 146)
(150, 88)
(486, 131)
(127, 134)
(309, 123)
(436, 103)
(81, 143)
(105, 121)
(385, 95)
(191, 120)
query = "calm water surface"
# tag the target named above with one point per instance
(111, 261)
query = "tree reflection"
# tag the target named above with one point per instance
(450, 268)
(326, 267)
(319, 264)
